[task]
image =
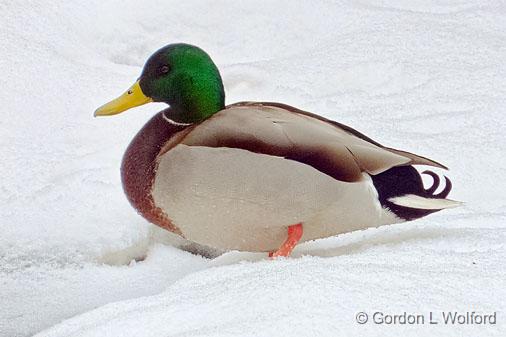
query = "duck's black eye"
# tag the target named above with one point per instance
(164, 69)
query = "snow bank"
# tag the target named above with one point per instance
(426, 76)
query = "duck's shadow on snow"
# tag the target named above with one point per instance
(348, 244)
(344, 244)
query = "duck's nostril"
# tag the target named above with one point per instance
(129, 92)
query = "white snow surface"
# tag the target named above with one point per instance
(425, 76)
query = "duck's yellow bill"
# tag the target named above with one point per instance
(131, 98)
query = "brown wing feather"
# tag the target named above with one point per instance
(415, 159)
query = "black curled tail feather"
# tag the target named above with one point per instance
(435, 183)
(430, 191)
(404, 180)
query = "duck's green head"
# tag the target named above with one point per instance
(181, 75)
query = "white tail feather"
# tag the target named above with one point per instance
(416, 201)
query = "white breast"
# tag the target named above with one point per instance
(235, 199)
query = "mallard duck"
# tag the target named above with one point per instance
(257, 176)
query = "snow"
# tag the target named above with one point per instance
(424, 76)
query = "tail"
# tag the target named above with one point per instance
(401, 190)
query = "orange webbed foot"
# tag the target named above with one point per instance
(294, 235)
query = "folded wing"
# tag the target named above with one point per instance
(280, 130)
